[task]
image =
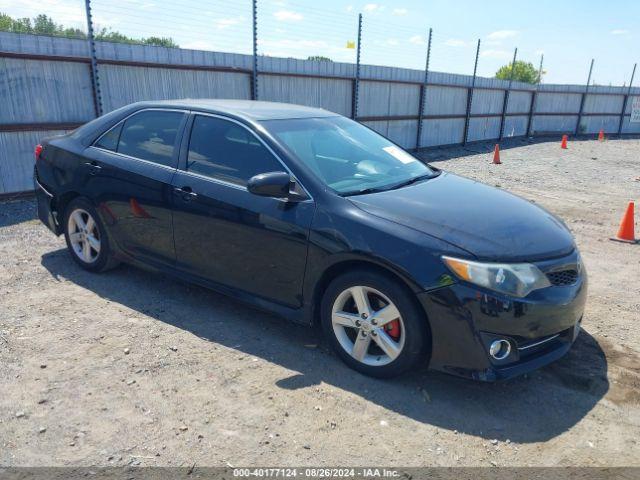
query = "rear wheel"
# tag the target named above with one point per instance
(86, 237)
(373, 324)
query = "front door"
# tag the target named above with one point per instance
(227, 235)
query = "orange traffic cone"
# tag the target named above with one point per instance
(601, 135)
(496, 155)
(564, 142)
(625, 232)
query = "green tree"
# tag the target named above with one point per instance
(160, 42)
(6, 22)
(45, 25)
(523, 72)
(319, 58)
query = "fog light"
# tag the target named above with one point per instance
(500, 349)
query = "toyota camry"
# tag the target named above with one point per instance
(317, 218)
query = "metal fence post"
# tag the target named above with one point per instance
(95, 82)
(254, 73)
(583, 98)
(534, 97)
(465, 136)
(356, 80)
(423, 91)
(506, 95)
(626, 100)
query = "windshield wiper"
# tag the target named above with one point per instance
(411, 181)
(364, 191)
(404, 183)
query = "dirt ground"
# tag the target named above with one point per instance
(130, 368)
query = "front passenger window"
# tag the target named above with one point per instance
(225, 150)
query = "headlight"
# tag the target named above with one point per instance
(516, 279)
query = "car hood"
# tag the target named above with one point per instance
(488, 222)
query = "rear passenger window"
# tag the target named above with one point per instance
(222, 149)
(151, 135)
(109, 140)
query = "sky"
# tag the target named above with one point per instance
(568, 32)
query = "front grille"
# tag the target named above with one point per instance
(563, 277)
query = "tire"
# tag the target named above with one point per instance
(344, 326)
(82, 227)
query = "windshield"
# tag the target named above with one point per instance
(347, 156)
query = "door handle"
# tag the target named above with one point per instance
(94, 168)
(186, 193)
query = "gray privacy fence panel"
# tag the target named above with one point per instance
(628, 127)
(559, 123)
(122, 85)
(516, 125)
(484, 128)
(50, 92)
(445, 100)
(487, 101)
(558, 102)
(387, 98)
(331, 94)
(445, 131)
(594, 124)
(17, 159)
(519, 102)
(35, 91)
(603, 104)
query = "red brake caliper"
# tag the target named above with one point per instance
(393, 329)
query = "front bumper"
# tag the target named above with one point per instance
(465, 319)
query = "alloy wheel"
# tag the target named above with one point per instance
(368, 325)
(84, 235)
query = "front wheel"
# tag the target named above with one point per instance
(373, 324)
(86, 237)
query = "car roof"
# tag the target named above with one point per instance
(248, 109)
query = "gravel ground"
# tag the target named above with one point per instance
(130, 368)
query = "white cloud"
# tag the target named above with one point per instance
(291, 44)
(455, 42)
(500, 35)
(400, 11)
(349, 8)
(497, 54)
(371, 7)
(223, 23)
(288, 48)
(417, 40)
(288, 16)
(619, 31)
(70, 14)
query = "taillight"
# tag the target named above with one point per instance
(38, 151)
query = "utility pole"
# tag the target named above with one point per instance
(95, 82)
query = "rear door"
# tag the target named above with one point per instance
(224, 233)
(129, 171)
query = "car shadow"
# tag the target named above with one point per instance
(532, 408)
(15, 211)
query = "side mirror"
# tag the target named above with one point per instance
(272, 184)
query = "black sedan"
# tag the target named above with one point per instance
(317, 218)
